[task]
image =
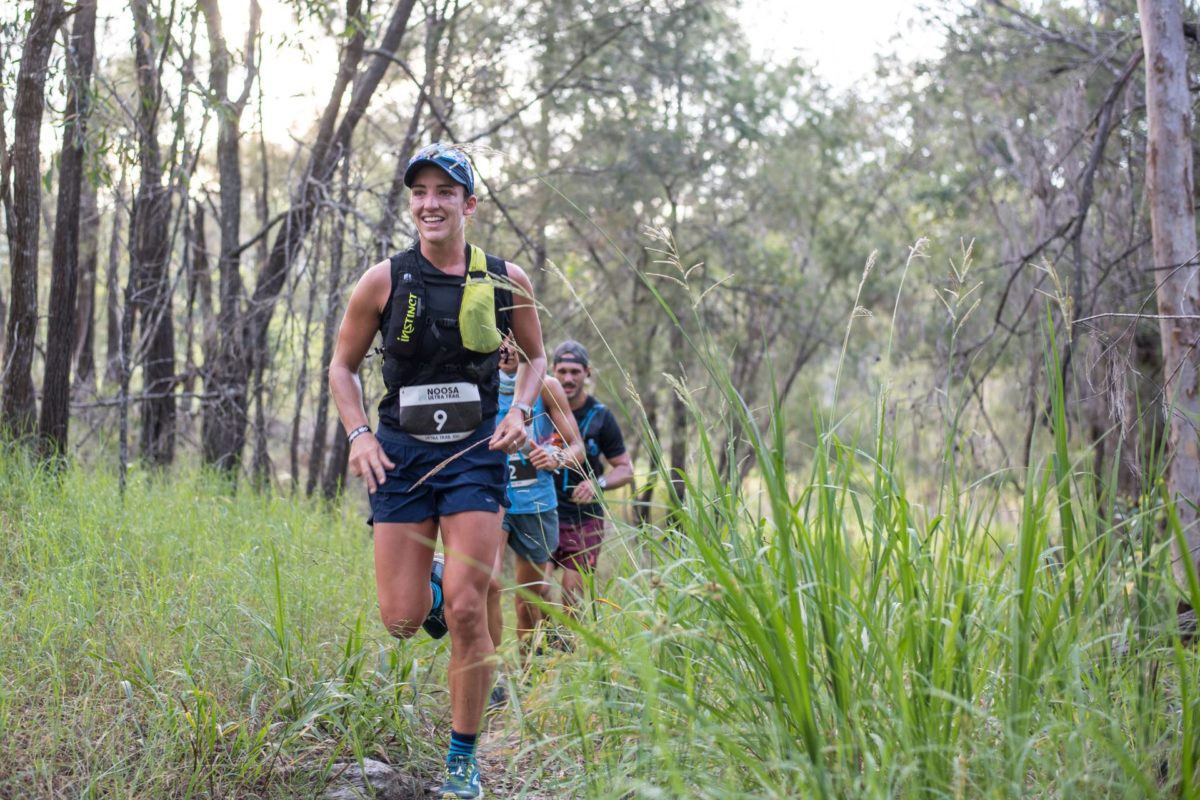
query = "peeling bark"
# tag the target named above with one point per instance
(1170, 185)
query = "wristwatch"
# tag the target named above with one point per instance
(526, 411)
(602, 483)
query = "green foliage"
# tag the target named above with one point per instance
(833, 636)
(826, 635)
(845, 621)
(189, 642)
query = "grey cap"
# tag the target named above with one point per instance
(570, 350)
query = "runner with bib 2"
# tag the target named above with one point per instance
(531, 522)
(437, 463)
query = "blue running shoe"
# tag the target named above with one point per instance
(435, 623)
(462, 779)
(498, 699)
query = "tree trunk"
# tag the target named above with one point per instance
(1170, 187)
(85, 305)
(645, 498)
(333, 306)
(18, 411)
(225, 414)
(124, 370)
(260, 469)
(56, 386)
(200, 293)
(305, 350)
(6, 201)
(112, 286)
(335, 471)
(679, 419)
(3, 319)
(148, 252)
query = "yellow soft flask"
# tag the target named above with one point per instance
(477, 314)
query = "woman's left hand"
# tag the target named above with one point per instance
(509, 435)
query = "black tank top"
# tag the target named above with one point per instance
(441, 355)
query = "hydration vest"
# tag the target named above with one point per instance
(419, 347)
(591, 451)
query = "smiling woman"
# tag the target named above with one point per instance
(442, 307)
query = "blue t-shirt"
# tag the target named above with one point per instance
(530, 490)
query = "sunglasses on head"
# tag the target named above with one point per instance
(451, 159)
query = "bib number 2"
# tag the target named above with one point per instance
(439, 412)
(521, 473)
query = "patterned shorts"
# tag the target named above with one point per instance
(579, 544)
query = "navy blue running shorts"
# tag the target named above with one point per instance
(475, 481)
(533, 537)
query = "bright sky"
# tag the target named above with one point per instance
(840, 40)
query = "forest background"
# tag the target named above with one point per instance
(711, 219)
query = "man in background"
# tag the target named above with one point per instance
(581, 522)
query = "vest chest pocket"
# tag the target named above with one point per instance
(477, 314)
(439, 412)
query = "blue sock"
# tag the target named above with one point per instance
(462, 744)
(437, 595)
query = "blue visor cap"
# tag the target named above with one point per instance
(451, 160)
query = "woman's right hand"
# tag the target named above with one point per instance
(368, 461)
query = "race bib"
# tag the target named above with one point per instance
(521, 472)
(439, 412)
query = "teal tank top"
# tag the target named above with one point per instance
(530, 490)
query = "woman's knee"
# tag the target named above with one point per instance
(403, 621)
(466, 605)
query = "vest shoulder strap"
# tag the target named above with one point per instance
(587, 419)
(478, 266)
(405, 326)
(404, 264)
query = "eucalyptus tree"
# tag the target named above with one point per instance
(225, 348)
(678, 131)
(60, 341)
(83, 351)
(1171, 187)
(1025, 135)
(149, 290)
(18, 412)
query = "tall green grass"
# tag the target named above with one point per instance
(192, 643)
(821, 634)
(829, 636)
